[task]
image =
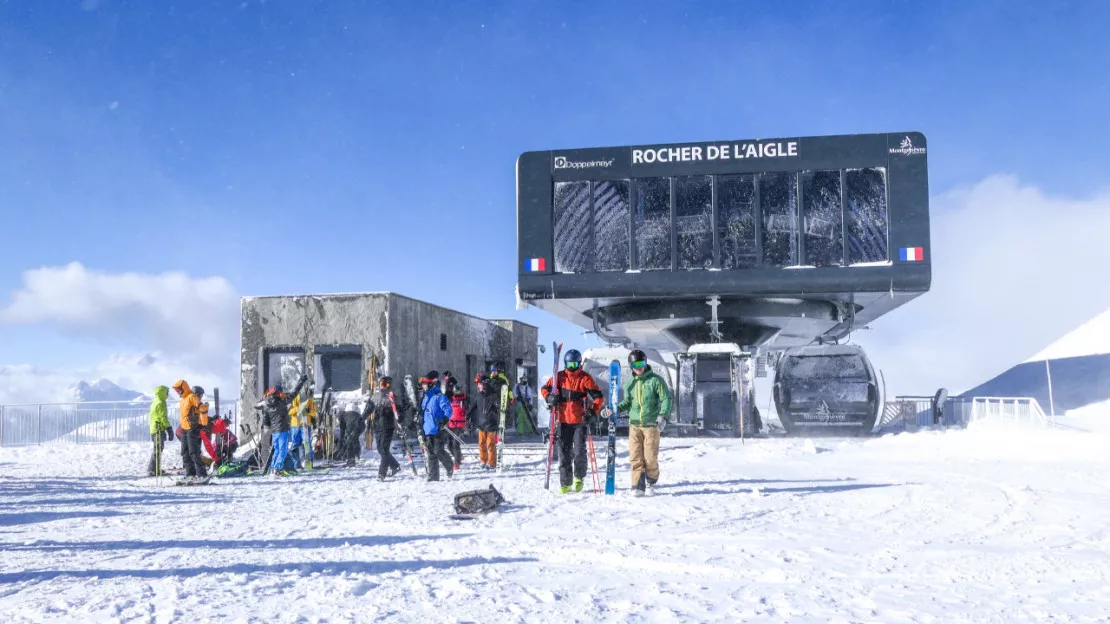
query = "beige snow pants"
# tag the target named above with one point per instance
(643, 452)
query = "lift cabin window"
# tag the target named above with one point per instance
(822, 218)
(572, 227)
(651, 223)
(817, 367)
(736, 221)
(779, 202)
(693, 208)
(865, 215)
(611, 215)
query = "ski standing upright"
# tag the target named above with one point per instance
(611, 451)
(504, 408)
(411, 392)
(558, 348)
(404, 436)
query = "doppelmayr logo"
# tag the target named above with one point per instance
(561, 162)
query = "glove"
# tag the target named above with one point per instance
(605, 412)
(167, 434)
(304, 378)
(553, 400)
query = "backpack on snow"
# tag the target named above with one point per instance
(232, 469)
(478, 501)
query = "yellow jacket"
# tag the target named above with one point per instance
(295, 412)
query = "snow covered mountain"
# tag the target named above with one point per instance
(102, 390)
(1079, 365)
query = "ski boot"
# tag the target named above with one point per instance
(564, 489)
(637, 492)
(578, 485)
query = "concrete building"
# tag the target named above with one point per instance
(336, 339)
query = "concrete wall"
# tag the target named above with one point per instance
(306, 321)
(404, 334)
(415, 329)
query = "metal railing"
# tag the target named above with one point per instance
(915, 413)
(1009, 411)
(94, 422)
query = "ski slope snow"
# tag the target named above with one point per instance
(978, 525)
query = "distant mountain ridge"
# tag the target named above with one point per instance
(103, 390)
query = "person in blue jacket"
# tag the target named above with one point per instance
(437, 411)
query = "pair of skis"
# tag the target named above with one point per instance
(404, 435)
(411, 392)
(504, 408)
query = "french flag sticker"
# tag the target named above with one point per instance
(913, 254)
(535, 264)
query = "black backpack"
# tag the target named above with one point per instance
(478, 501)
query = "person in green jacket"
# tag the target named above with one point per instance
(646, 399)
(160, 430)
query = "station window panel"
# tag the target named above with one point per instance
(694, 221)
(611, 215)
(822, 218)
(284, 366)
(651, 223)
(736, 221)
(572, 227)
(865, 215)
(778, 199)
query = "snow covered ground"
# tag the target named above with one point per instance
(960, 526)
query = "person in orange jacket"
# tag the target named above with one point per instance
(193, 416)
(577, 389)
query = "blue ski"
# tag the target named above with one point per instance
(611, 453)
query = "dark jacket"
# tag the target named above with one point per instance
(275, 413)
(382, 410)
(488, 409)
(351, 425)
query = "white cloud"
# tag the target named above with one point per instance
(194, 319)
(1013, 270)
(141, 372)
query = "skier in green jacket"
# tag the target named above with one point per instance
(646, 399)
(160, 430)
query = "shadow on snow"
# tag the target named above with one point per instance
(291, 543)
(284, 569)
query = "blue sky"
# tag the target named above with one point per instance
(372, 146)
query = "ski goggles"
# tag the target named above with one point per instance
(573, 365)
(640, 365)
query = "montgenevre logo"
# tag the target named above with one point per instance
(561, 162)
(907, 148)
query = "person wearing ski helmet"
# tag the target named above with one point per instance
(436, 409)
(526, 406)
(487, 408)
(577, 392)
(193, 416)
(384, 423)
(646, 399)
(497, 379)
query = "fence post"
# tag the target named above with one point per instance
(38, 426)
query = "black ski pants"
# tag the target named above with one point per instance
(190, 454)
(382, 440)
(154, 466)
(437, 450)
(352, 447)
(572, 450)
(454, 446)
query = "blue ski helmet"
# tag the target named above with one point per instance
(573, 359)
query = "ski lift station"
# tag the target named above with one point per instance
(341, 340)
(736, 256)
